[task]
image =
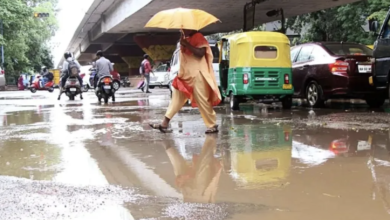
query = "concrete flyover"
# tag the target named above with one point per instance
(117, 26)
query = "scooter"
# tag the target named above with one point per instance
(87, 82)
(105, 89)
(49, 86)
(72, 88)
(125, 82)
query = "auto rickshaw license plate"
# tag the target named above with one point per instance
(287, 86)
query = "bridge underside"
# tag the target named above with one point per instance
(117, 27)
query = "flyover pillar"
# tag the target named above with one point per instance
(133, 63)
(159, 47)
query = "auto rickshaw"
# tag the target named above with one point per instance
(256, 65)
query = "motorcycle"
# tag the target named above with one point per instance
(125, 82)
(105, 89)
(35, 85)
(72, 88)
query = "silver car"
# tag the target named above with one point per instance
(2, 79)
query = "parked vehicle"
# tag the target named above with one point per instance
(256, 65)
(105, 89)
(2, 79)
(57, 76)
(125, 82)
(116, 77)
(160, 77)
(175, 64)
(328, 70)
(88, 80)
(381, 55)
(49, 86)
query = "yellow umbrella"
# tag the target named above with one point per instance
(181, 18)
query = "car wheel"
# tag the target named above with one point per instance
(151, 87)
(234, 102)
(287, 102)
(375, 102)
(116, 85)
(314, 94)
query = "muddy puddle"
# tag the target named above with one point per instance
(89, 161)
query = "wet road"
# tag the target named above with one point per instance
(81, 160)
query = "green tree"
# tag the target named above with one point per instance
(25, 36)
(378, 10)
(342, 23)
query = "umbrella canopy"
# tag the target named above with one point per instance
(181, 18)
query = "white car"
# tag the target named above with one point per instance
(2, 79)
(175, 63)
(160, 78)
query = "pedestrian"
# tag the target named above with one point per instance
(146, 70)
(20, 82)
(103, 67)
(195, 81)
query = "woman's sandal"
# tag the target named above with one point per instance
(160, 127)
(212, 130)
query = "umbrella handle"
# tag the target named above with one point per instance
(182, 33)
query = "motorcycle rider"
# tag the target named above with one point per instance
(65, 73)
(46, 76)
(103, 67)
(65, 69)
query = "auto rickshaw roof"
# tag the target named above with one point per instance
(257, 37)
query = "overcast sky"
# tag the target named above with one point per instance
(69, 17)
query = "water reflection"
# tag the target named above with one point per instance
(198, 182)
(347, 143)
(259, 155)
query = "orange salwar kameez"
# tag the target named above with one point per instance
(196, 81)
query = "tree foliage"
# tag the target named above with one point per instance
(344, 23)
(25, 36)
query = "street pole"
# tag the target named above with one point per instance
(2, 46)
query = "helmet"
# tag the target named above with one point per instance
(99, 53)
(67, 55)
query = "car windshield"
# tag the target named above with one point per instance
(349, 49)
(162, 68)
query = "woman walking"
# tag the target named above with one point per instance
(195, 81)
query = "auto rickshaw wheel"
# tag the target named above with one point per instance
(287, 102)
(234, 102)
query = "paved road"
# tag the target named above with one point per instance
(82, 160)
